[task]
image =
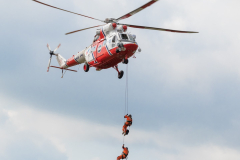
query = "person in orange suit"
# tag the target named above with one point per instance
(125, 130)
(126, 124)
(129, 119)
(124, 153)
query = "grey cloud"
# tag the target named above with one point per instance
(201, 97)
(3, 117)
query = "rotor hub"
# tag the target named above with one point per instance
(110, 20)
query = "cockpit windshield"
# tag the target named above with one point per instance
(126, 37)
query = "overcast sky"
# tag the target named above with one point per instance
(183, 88)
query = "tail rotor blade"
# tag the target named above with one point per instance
(48, 47)
(51, 53)
(57, 48)
(49, 63)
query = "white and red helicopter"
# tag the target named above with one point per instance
(112, 44)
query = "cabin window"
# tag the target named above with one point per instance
(99, 48)
(93, 49)
(104, 43)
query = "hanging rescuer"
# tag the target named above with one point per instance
(124, 153)
(126, 124)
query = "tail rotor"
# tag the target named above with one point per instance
(51, 53)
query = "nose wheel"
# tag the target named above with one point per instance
(120, 74)
(125, 61)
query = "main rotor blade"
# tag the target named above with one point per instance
(66, 10)
(158, 29)
(137, 10)
(83, 29)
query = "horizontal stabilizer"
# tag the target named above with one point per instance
(63, 68)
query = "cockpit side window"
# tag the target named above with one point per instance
(131, 37)
(114, 39)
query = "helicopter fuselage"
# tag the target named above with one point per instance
(111, 45)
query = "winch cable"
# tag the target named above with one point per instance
(126, 91)
(126, 97)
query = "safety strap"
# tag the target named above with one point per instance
(124, 154)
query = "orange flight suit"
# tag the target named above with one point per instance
(124, 153)
(129, 120)
(124, 129)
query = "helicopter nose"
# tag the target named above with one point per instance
(131, 47)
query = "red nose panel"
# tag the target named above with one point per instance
(117, 57)
(130, 48)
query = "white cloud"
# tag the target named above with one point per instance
(74, 137)
(209, 152)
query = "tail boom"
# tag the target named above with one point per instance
(73, 61)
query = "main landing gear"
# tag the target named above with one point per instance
(86, 67)
(120, 74)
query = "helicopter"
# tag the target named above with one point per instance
(112, 44)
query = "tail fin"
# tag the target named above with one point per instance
(61, 60)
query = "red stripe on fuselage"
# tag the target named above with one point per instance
(71, 62)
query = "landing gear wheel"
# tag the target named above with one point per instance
(125, 61)
(120, 74)
(86, 67)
